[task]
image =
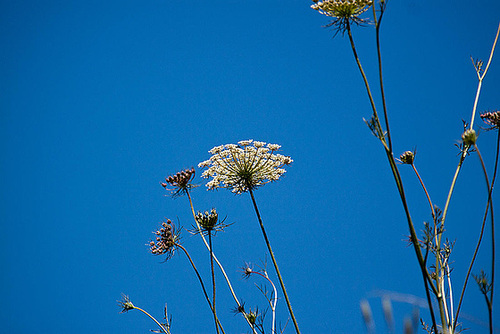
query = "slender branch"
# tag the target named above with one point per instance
(488, 204)
(448, 272)
(274, 262)
(397, 177)
(481, 77)
(275, 300)
(379, 56)
(218, 262)
(425, 190)
(492, 221)
(365, 80)
(152, 318)
(217, 322)
(492, 52)
(213, 275)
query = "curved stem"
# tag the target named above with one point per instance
(218, 262)
(217, 322)
(275, 300)
(274, 262)
(152, 318)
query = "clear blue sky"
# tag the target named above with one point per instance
(100, 100)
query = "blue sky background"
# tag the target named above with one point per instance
(101, 100)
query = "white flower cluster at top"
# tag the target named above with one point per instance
(245, 166)
(342, 8)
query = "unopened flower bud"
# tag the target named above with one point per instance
(407, 157)
(469, 137)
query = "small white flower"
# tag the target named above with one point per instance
(245, 142)
(273, 147)
(259, 144)
(245, 166)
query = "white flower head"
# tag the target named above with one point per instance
(343, 12)
(245, 166)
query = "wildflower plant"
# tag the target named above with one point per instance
(436, 273)
(242, 168)
(248, 165)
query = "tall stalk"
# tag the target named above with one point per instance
(217, 322)
(217, 261)
(274, 262)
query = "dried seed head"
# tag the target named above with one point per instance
(407, 157)
(166, 239)
(125, 304)
(469, 137)
(180, 182)
(492, 118)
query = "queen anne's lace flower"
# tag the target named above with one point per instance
(343, 12)
(245, 166)
(342, 8)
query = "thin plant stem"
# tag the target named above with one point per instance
(448, 272)
(152, 318)
(425, 190)
(217, 322)
(379, 57)
(275, 300)
(481, 76)
(490, 304)
(218, 262)
(488, 204)
(274, 262)
(213, 274)
(365, 80)
(397, 179)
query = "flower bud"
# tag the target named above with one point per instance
(469, 137)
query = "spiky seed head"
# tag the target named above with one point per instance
(125, 304)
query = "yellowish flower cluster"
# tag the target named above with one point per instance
(342, 8)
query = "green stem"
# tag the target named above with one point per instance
(274, 262)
